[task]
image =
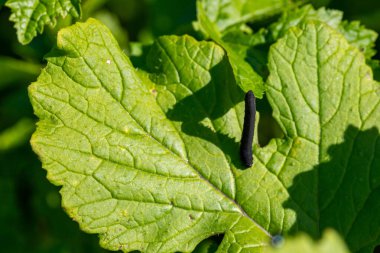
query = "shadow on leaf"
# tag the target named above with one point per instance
(345, 192)
(212, 101)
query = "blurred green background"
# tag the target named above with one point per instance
(31, 218)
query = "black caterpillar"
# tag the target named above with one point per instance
(248, 130)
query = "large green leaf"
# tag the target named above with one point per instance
(141, 181)
(327, 103)
(149, 158)
(30, 16)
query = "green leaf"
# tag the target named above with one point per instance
(226, 13)
(223, 22)
(364, 39)
(142, 181)
(359, 36)
(252, 47)
(245, 76)
(298, 17)
(149, 158)
(247, 39)
(30, 16)
(326, 102)
(329, 243)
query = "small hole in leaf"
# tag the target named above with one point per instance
(377, 249)
(209, 245)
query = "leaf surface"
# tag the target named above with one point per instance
(149, 158)
(30, 16)
(359, 36)
(140, 180)
(227, 13)
(245, 76)
(327, 103)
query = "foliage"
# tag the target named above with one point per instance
(142, 131)
(31, 16)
